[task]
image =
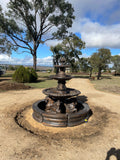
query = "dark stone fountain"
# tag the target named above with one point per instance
(61, 107)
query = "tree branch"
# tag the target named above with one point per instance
(22, 41)
(18, 45)
(47, 29)
(49, 39)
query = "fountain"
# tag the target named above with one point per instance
(61, 107)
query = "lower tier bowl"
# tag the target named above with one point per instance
(60, 120)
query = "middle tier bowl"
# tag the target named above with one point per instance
(61, 77)
(53, 92)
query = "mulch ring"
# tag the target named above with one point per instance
(82, 133)
(5, 86)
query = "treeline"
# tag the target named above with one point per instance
(102, 60)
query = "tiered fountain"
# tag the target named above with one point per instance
(61, 107)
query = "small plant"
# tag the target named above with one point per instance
(49, 70)
(24, 75)
(33, 74)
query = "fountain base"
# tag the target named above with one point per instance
(61, 119)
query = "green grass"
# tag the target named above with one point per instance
(43, 84)
(108, 84)
(43, 81)
(8, 74)
(44, 74)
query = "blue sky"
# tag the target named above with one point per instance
(97, 22)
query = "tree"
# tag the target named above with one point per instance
(116, 63)
(5, 45)
(85, 65)
(56, 55)
(27, 24)
(100, 60)
(71, 49)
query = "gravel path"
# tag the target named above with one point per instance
(89, 141)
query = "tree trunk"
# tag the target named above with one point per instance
(34, 62)
(91, 72)
(99, 73)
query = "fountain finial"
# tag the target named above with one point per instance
(62, 60)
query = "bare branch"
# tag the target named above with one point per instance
(18, 45)
(22, 41)
(48, 29)
(49, 39)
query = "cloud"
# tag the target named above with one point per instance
(53, 42)
(97, 35)
(98, 22)
(107, 11)
(47, 61)
(4, 4)
(27, 60)
(95, 10)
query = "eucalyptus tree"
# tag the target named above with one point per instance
(100, 60)
(116, 63)
(5, 45)
(27, 24)
(70, 48)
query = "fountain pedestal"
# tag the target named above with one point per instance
(61, 107)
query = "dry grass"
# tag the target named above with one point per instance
(108, 84)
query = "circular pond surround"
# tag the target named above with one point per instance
(60, 119)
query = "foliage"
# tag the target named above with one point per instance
(100, 60)
(84, 64)
(70, 48)
(116, 63)
(33, 74)
(27, 24)
(75, 67)
(5, 44)
(23, 75)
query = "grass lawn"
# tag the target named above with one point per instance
(8, 74)
(108, 84)
(43, 81)
(43, 84)
(44, 74)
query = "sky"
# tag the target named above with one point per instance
(96, 22)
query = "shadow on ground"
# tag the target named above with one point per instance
(82, 98)
(81, 76)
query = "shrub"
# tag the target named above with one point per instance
(23, 75)
(33, 74)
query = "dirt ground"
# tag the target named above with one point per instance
(5, 86)
(99, 139)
